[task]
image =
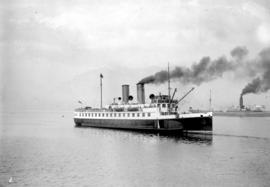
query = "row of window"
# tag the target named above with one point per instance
(164, 105)
(114, 114)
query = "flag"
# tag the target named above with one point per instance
(101, 76)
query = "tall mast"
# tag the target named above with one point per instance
(101, 77)
(169, 86)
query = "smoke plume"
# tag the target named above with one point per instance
(206, 70)
(262, 82)
(203, 71)
(239, 52)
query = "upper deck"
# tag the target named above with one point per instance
(159, 104)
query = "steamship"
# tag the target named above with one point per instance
(244, 111)
(160, 115)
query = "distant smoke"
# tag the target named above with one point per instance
(261, 83)
(203, 71)
(253, 87)
(239, 52)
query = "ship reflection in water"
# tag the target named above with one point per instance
(183, 137)
(197, 138)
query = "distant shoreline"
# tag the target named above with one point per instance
(243, 114)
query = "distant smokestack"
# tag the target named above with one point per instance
(125, 93)
(140, 93)
(241, 102)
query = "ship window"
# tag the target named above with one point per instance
(103, 115)
(99, 115)
(133, 114)
(110, 114)
(149, 114)
(158, 105)
(163, 105)
(114, 115)
(138, 114)
(143, 114)
(128, 115)
(124, 115)
(119, 115)
(107, 114)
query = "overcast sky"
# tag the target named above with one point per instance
(53, 51)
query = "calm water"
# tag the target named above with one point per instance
(44, 149)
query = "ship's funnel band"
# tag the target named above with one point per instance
(125, 93)
(140, 93)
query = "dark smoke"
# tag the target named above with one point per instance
(206, 70)
(239, 52)
(253, 87)
(262, 83)
(203, 71)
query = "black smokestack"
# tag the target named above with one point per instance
(140, 93)
(261, 83)
(241, 102)
(125, 93)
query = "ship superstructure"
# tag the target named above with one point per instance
(161, 114)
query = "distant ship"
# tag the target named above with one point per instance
(160, 115)
(243, 111)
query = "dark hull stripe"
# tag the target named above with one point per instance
(200, 124)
